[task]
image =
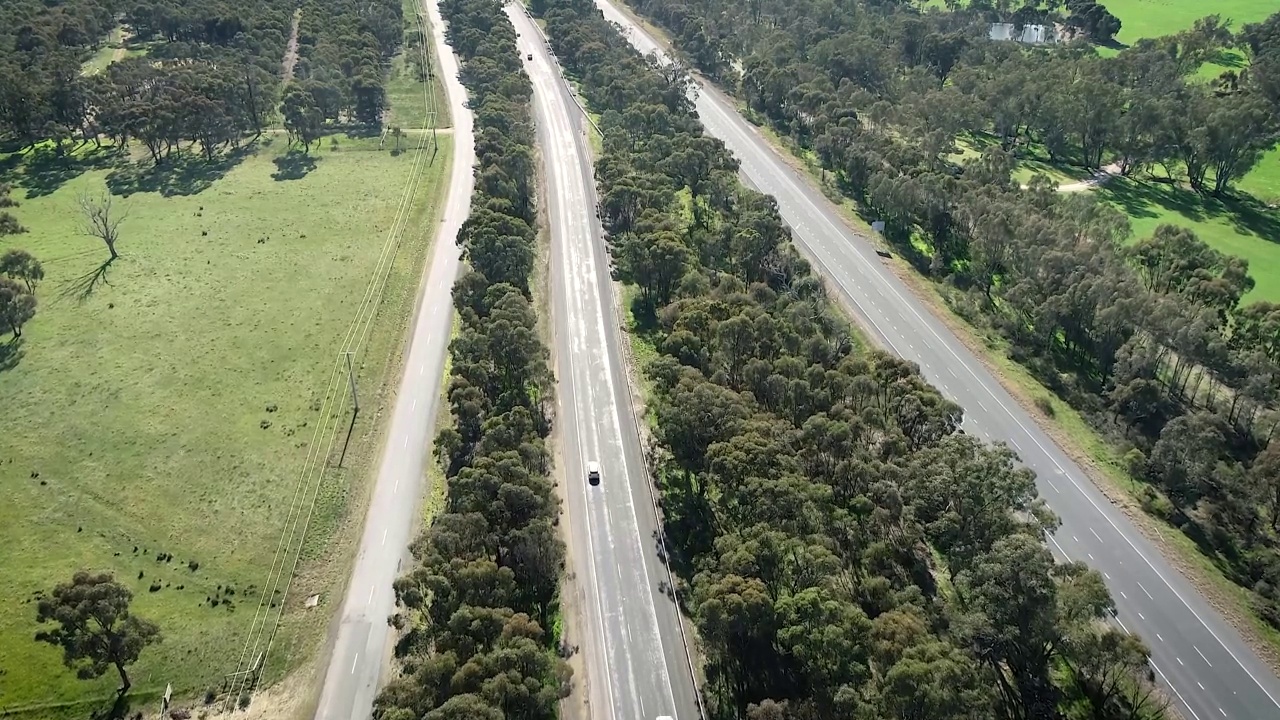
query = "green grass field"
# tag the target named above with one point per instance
(1243, 226)
(169, 410)
(1263, 182)
(1154, 18)
(117, 47)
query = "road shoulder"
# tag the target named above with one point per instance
(1225, 597)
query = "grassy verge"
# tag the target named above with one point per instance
(433, 502)
(167, 410)
(404, 84)
(1070, 430)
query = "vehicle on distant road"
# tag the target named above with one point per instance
(528, 56)
(593, 474)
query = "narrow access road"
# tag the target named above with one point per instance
(1211, 671)
(363, 644)
(1099, 177)
(631, 634)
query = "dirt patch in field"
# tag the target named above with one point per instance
(291, 50)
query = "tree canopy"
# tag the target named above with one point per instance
(210, 75)
(885, 95)
(92, 624)
(477, 609)
(844, 551)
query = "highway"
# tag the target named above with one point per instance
(1211, 671)
(628, 629)
(363, 643)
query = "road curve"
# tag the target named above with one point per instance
(1212, 672)
(363, 643)
(630, 630)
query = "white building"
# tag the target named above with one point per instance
(1031, 34)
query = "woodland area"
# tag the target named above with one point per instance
(210, 75)
(843, 549)
(207, 82)
(479, 610)
(1149, 340)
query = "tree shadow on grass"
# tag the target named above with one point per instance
(10, 168)
(1227, 58)
(1140, 199)
(644, 316)
(42, 170)
(1250, 215)
(182, 173)
(10, 354)
(293, 165)
(1247, 215)
(81, 288)
(357, 130)
(118, 707)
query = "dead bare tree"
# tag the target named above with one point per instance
(101, 219)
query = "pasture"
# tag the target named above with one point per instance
(157, 411)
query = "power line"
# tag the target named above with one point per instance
(311, 476)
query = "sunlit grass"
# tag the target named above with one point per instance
(167, 409)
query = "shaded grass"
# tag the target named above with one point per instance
(169, 411)
(1030, 161)
(1060, 173)
(1239, 225)
(1227, 59)
(405, 85)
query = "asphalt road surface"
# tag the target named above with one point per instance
(363, 644)
(635, 658)
(1212, 672)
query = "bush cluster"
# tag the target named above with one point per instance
(923, 121)
(845, 551)
(483, 598)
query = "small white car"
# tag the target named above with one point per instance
(593, 472)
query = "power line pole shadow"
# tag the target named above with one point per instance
(355, 409)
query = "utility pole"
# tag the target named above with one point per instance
(431, 95)
(351, 380)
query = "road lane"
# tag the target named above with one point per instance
(637, 667)
(363, 642)
(1197, 653)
